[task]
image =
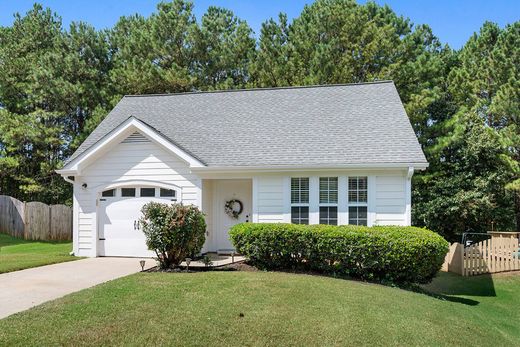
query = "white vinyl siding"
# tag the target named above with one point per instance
(390, 200)
(126, 162)
(207, 208)
(382, 199)
(270, 199)
(272, 203)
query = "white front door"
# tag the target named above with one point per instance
(227, 190)
(120, 233)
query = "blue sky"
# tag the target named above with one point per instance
(453, 21)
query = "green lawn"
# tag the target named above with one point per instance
(18, 254)
(279, 309)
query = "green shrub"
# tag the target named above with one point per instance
(173, 231)
(384, 253)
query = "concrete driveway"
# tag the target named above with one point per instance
(21, 290)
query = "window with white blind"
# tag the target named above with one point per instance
(300, 200)
(357, 200)
(328, 200)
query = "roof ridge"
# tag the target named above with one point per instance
(259, 89)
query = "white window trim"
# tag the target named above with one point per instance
(299, 204)
(314, 198)
(358, 204)
(329, 204)
(371, 209)
(342, 203)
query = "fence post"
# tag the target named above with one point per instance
(25, 231)
(462, 260)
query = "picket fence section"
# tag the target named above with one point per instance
(35, 220)
(499, 253)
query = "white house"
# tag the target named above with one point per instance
(338, 154)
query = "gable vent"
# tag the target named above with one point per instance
(136, 138)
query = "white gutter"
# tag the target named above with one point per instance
(288, 168)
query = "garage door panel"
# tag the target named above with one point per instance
(119, 231)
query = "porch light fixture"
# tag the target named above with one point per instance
(142, 262)
(188, 261)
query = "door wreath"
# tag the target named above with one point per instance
(234, 208)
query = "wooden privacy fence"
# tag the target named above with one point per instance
(499, 253)
(35, 220)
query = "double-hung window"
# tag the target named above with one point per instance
(300, 200)
(329, 200)
(357, 200)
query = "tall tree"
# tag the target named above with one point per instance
(339, 41)
(475, 158)
(50, 82)
(224, 50)
(333, 41)
(273, 65)
(155, 54)
(29, 134)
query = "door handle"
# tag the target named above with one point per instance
(135, 225)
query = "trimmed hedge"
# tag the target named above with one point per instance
(384, 253)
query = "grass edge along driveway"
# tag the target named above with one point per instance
(274, 309)
(18, 254)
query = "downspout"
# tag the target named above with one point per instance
(67, 179)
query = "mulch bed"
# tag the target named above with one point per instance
(238, 266)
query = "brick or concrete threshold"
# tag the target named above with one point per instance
(21, 290)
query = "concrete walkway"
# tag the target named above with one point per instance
(21, 290)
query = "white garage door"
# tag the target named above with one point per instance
(119, 210)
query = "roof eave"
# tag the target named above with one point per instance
(74, 167)
(317, 167)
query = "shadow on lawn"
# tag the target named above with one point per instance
(455, 288)
(7, 240)
(446, 286)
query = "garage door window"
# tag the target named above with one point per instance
(128, 192)
(167, 193)
(109, 193)
(147, 192)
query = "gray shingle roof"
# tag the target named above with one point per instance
(320, 125)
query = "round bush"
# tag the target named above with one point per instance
(174, 231)
(384, 253)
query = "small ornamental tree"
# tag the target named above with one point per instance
(173, 232)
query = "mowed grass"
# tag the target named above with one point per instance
(18, 254)
(273, 309)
